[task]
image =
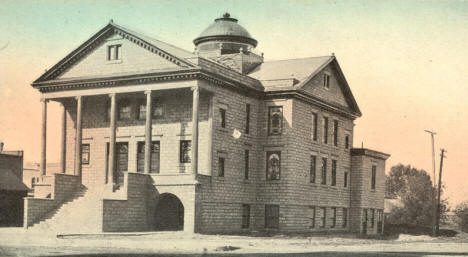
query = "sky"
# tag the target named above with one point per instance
(405, 62)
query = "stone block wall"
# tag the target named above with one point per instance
(220, 198)
(134, 211)
(365, 198)
(62, 187)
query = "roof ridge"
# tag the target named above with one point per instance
(299, 58)
(143, 35)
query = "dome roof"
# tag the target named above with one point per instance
(225, 29)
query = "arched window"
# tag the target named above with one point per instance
(273, 165)
(275, 121)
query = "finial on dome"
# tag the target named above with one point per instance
(226, 15)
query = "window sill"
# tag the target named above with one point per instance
(275, 135)
(114, 61)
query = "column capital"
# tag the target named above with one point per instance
(78, 97)
(112, 95)
(195, 88)
(148, 92)
(44, 100)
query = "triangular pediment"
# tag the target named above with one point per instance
(329, 85)
(115, 51)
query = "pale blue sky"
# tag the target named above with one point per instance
(404, 60)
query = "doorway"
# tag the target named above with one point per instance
(169, 213)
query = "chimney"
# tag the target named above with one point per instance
(1, 147)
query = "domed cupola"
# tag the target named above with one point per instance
(229, 33)
(228, 43)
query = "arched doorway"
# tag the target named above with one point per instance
(169, 213)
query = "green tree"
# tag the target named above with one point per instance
(462, 213)
(414, 189)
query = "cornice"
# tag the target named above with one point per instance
(51, 86)
(311, 99)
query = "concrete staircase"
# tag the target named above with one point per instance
(82, 213)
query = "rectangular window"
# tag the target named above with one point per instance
(312, 217)
(108, 109)
(333, 217)
(157, 109)
(155, 158)
(314, 126)
(185, 151)
(273, 165)
(372, 218)
(345, 179)
(222, 117)
(271, 216)
(324, 217)
(275, 120)
(333, 173)
(326, 81)
(374, 174)
(113, 52)
(325, 130)
(345, 217)
(346, 142)
(246, 164)
(245, 216)
(313, 168)
(125, 109)
(247, 118)
(141, 112)
(221, 163)
(156, 112)
(85, 154)
(335, 133)
(121, 162)
(324, 171)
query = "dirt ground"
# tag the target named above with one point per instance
(20, 242)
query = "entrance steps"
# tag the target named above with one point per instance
(82, 213)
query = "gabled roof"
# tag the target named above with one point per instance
(175, 54)
(270, 77)
(298, 69)
(10, 182)
(293, 74)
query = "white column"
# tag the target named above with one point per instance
(78, 137)
(110, 172)
(148, 132)
(43, 137)
(63, 141)
(195, 103)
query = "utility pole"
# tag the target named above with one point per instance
(442, 151)
(434, 213)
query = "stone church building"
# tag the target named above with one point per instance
(217, 140)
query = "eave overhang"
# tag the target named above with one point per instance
(307, 97)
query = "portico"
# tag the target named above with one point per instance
(83, 109)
